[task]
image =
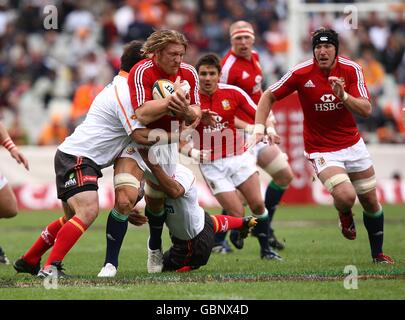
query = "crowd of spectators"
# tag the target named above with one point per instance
(49, 75)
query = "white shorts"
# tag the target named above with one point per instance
(167, 156)
(353, 159)
(225, 174)
(3, 181)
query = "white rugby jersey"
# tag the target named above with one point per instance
(185, 218)
(105, 131)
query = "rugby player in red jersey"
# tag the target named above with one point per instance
(241, 67)
(164, 51)
(331, 88)
(232, 167)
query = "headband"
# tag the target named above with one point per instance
(242, 32)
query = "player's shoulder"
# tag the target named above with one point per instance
(142, 66)
(188, 72)
(229, 60)
(231, 89)
(187, 68)
(255, 54)
(347, 64)
(303, 68)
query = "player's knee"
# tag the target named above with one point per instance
(123, 202)
(88, 213)
(283, 177)
(10, 212)
(257, 208)
(346, 197)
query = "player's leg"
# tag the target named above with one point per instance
(250, 189)
(30, 261)
(77, 185)
(8, 209)
(224, 223)
(222, 187)
(8, 202)
(85, 205)
(127, 182)
(337, 182)
(274, 162)
(187, 255)
(156, 214)
(364, 183)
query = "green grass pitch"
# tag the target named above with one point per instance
(313, 268)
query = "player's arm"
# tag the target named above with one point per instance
(360, 106)
(152, 110)
(149, 137)
(166, 184)
(8, 143)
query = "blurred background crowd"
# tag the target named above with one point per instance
(48, 78)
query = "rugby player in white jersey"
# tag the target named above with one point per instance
(164, 51)
(108, 128)
(191, 228)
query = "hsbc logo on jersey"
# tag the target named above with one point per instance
(219, 126)
(328, 98)
(328, 103)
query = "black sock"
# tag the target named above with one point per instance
(261, 231)
(117, 225)
(272, 198)
(374, 224)
(156, 222)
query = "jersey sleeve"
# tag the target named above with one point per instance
(245, 104)
(125, 111)
(191, 76)
(140, 86)
(185, 177)
(357, 85)
(285, 86)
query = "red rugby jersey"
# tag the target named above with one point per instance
(223, 139)
(142, 77)
(328, 125)
(245, 74)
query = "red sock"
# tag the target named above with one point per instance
(44, 242)
(66, 239)
(224, 223)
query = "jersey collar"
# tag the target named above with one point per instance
(123, 73)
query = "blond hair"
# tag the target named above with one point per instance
(158, 40)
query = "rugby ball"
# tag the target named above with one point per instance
(162, 88)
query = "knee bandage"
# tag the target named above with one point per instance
(335, 180)
(279, 163)
(126, 179)
(365, 185)
(152, 193)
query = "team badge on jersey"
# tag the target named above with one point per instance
(321, 161)
(226, 105)
(133, 117)
(130, 150)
